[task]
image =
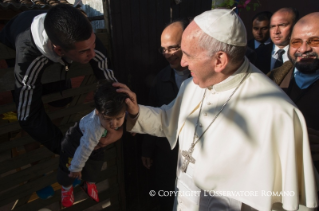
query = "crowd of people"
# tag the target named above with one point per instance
(233, 118)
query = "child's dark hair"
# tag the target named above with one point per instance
(107, 100)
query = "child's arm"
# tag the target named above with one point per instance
(88, 142)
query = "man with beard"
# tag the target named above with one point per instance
(299, 76)
(164, 90)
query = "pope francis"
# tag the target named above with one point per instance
(243, 143)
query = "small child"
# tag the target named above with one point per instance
(82, 149)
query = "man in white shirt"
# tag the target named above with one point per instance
(281, 25)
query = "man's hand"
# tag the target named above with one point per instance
(314, 143)
(111, 137)
(147, 162)
(77, 175)
(131, 101)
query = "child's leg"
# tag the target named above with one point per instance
(68, 146)
(65, 181)
(63, 171)
(90, 174)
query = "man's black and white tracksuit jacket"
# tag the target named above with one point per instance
(25, 33)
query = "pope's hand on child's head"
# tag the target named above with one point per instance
(131, 101)
(77, 175)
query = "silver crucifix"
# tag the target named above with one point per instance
(188, 158)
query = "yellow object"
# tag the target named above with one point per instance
(69, 162)
(10, 116)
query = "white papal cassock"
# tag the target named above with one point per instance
(257, 149)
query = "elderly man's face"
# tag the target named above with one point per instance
(199, 63)
(280, 28)
(302, 54)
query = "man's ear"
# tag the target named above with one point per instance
(58, 50)
(221, 60)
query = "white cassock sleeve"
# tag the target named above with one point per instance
(168, 120)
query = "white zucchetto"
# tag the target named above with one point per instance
(224, 25)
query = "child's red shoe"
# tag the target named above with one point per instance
(67, 197)
(92, 191)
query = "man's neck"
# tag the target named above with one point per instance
(220, 77)
(233, 68)
(265, 42)
(281, 46)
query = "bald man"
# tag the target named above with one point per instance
(299, 77)
(281, 24)
(164, 90)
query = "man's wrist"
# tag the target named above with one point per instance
(134, 117)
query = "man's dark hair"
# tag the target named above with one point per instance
(183, 21)
(107, 100)
(262, 16)
(66, 25)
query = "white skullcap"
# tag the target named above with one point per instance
(224, 25)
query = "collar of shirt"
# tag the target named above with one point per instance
(276, 48)
(183, 72)
(180, 76)
(274, 55)
(265, 43)
(303, 81)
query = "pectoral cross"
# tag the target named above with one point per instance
(188, 158)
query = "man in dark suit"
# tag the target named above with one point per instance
(281, 25)
(260, 30)
(164, 90)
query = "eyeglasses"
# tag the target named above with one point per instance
(171, 49)
(312, 42)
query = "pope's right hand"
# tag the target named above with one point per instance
(131, 101)
(147, 162)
